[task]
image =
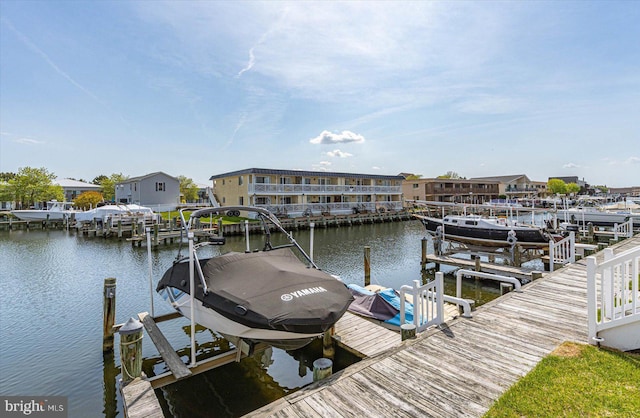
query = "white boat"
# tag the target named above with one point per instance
(273, 296)
(55, 211)
(593, 215)
(114, 212)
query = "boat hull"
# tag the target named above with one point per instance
(487, 237)
(598, 218)
(39, 215)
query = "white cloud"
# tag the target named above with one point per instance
(28, 141)
(327, 137)
(490, 104)
(570, 165)
(338, 153)
(376, 168)
(633, 160)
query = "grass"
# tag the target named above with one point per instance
(205, 220)
(576, 380)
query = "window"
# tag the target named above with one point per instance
(240, 181)
(241, 200)
(160, 187)
(415, 185)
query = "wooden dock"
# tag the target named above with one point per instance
(492, 268)
(460, 369)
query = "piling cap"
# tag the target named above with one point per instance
(131, 327)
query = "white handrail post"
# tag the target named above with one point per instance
(192, 299)
(592, 308)
(246, 235)
(572, 247)
(150, 269)
(615, 231)
(439, 297)
(311, 238)
(459, 284)
(417, 305)
(551, 255)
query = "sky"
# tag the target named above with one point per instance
(199, 88)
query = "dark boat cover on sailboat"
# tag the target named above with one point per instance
(268, 289)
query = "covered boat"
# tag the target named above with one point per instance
(270, 296)
(487, 232)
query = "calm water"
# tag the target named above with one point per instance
(51, 317)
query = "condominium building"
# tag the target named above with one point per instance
(450, 190)
(300, 193)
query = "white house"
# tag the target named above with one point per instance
(159, 191)
(74, 188)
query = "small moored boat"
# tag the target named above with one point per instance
(269, 296)
(55, 211)
(487, 232)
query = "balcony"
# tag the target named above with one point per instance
(321, 189)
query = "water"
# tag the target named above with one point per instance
(51, 317)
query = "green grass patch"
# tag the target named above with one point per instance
(206, 219)
(576, 380)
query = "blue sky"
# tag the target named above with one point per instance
(205, 87)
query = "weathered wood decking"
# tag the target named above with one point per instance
(461, 369)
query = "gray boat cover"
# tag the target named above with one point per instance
(371, 304)
(269, 290)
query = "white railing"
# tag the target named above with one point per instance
(340, 208)
(428, 307)
(562, 252)
(517, 286)
(613, 299)
(624, 230)
(321, 189)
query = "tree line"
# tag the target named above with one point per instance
(32, 185)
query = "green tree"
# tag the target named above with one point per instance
(572, 188)
(31, 185)
(88, 200)
(99, 179)
(6, 191)
(188, 189)
(7, 176)
(413, 177)
(108, 185)
(557, 186)
(450, 175)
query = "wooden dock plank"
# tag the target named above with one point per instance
(365, 336)
(460, 369)
(175, 364)
(140, 401)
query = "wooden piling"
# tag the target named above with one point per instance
(322, 368)
(407, 331)
(109, 313)
(328, 350)
(131, 349)
(423, 262)
(367, 266)
(505, 288)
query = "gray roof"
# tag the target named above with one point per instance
(268, 171)
(75, 184)
(138, 178)
(502, 179)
